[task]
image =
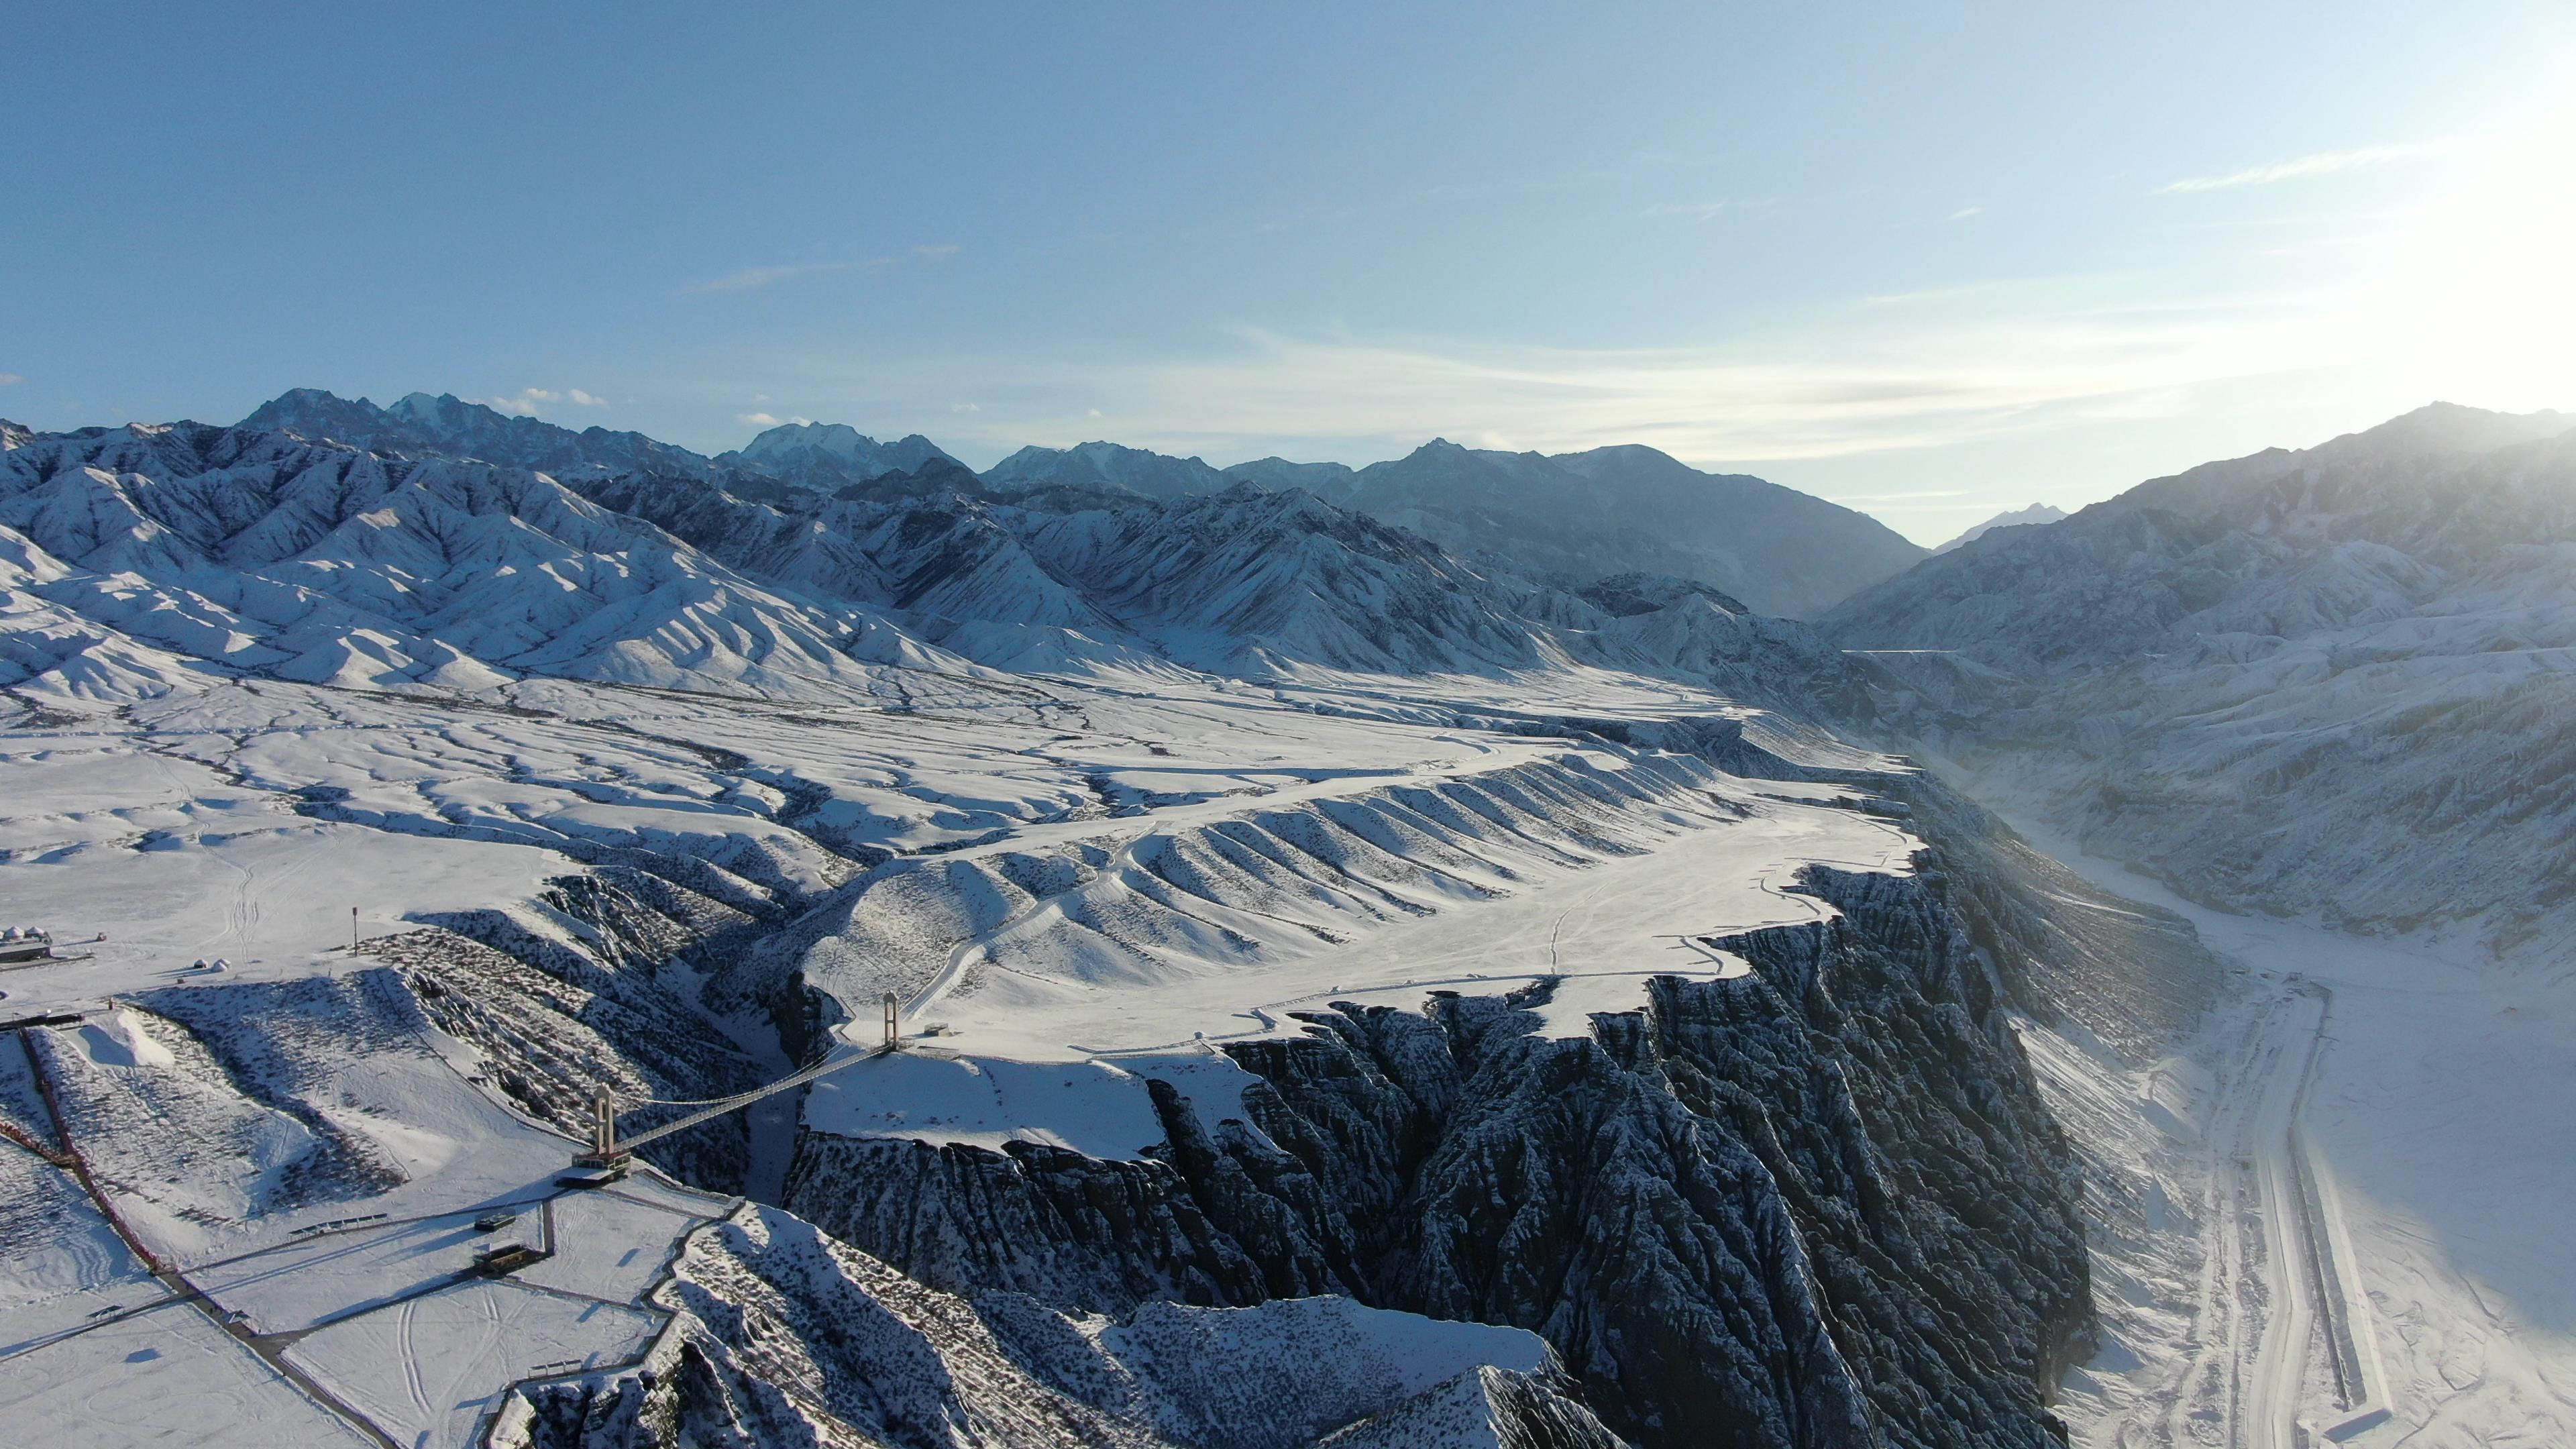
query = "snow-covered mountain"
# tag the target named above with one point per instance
(1628, 509)
(450, 427)
(1321, 479)
(2273, 680)
(165, 554)
(1574, 516)
(1107, 467)
(831, 455)
(1515, 1010)
(2012, 518)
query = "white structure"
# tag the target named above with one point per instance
(24, 946)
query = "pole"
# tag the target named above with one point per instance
(353, 929)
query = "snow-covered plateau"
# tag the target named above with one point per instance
(1339, 993)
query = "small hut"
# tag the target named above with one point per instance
(25, 946)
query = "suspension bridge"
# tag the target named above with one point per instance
(607, 1149)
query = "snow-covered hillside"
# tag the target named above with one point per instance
(829, 455)
(1103, 466)
(2024, 517)
(2273, 681)
(1575, 516)
(1345, 994)
(2322, 696)
(449, 426)
(1625, 509)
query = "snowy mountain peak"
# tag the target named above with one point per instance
(832, 455)
(838, 439)
(314, 414)
(444, 410)
(1103, 465)
(1320, 479)
(1632, 509)
(2014, 518)
(448, 426)
(2439, 428)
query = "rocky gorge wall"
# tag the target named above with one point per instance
(1821, 1205)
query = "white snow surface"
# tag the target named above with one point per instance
(2437, 1068)
(1254, 756)
(1387, 838)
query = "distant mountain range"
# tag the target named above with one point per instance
(439, 543)
(1572, 518)
(1582, 516)
(450, 427)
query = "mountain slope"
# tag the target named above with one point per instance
(264, 552)
(1626, 509)
(831, 455)
(448, 426)
(2291, 670)
(1103, 466)
(138, 550)
(1578, 516)
(2014, 518)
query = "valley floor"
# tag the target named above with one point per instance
(2424, 1088)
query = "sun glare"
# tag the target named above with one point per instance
(2484, 301)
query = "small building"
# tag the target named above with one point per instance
(502, 1261)
(25, 946)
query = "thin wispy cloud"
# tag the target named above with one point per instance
(1694, 210)
(751, 278)
(1904, 497)
(768, 420)
(10, 379)
(2322, 163)
(1875, 376)
(1963, 213)
(529, 400)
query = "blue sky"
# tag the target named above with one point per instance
(1929, 264)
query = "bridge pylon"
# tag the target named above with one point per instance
(604, 1151)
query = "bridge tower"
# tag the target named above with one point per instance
(604, 1150)
(894, 1033)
